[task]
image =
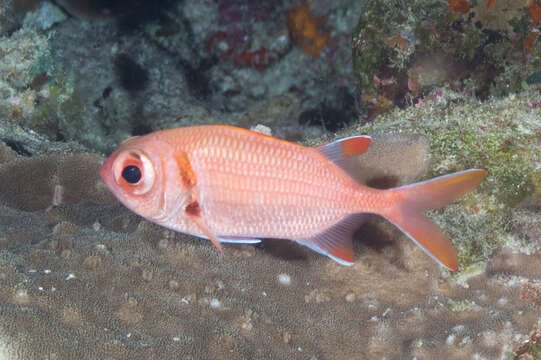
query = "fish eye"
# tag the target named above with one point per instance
(131, 174)
(134, 172)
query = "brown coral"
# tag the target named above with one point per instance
(459, 6)
(304, 29)
(51, 181)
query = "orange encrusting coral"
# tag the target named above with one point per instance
(459, 6)
(530, 40)
(534, 12)
(304, 30)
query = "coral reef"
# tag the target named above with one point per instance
(415, 46)
(109, 72)
(12, 14)
(21, 59)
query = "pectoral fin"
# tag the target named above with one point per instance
(194, 214)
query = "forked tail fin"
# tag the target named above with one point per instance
(416, 198)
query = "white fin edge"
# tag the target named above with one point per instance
(323, 252)
(232, 240)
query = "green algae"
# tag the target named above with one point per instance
(500, 153)
(58, 114)
(498, 135)
(468, 272)
(475, 236)
(464, 305)
(35, 92)
(535, 350)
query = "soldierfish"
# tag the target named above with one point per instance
(228, 184)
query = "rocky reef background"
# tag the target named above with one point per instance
(441, 86)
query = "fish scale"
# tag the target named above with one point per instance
(228, 184)
(317, 196)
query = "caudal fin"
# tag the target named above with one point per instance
(416, 198)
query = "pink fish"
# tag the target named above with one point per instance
(228, 184)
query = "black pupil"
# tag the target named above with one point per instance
(131, 174)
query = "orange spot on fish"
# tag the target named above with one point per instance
(185, 170)
(355, 146)
(193, 209)
(490, 3)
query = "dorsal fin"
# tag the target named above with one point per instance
(345, 152)
(346, 147)
(336, 241)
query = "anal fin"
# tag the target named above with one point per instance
(336, 241)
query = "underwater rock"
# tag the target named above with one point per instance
(95, 80)
(6, 153)
(21, 57)
(46, 16)
(12, 13)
